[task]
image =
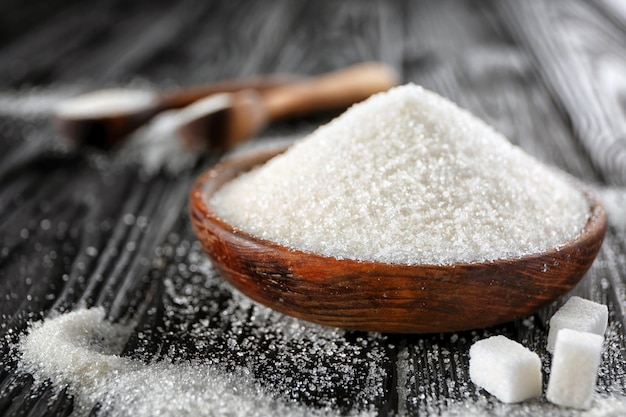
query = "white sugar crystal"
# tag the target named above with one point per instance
(80, 350)
(505, 369)
(574, 368)
(406, 177)
(578, 314)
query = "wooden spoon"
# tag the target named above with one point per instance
(102, 118)
(249, 111)
(381, 297)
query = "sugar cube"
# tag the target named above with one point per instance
(574, 368)
(505, 369)
(578, 314)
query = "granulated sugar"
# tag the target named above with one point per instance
(201, 348)
(81, 349)
(220, 353)
(406, 177)
(78, 349)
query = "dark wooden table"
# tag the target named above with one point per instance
(81, 227)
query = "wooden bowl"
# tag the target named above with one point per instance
(381, 297)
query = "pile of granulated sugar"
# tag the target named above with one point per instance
(406, 177)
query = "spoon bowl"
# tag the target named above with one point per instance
(373, 296)
(104, 118)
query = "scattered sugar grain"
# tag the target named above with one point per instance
(505, 369)
(578, 314)
(230, 354)
(406, 177)
(574, 368)
(80, 350)
(603, 406)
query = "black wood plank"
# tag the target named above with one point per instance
(580, 55)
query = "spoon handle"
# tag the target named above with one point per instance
(335, 90)
(186, 96)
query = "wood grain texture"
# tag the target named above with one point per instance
(579, 54)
